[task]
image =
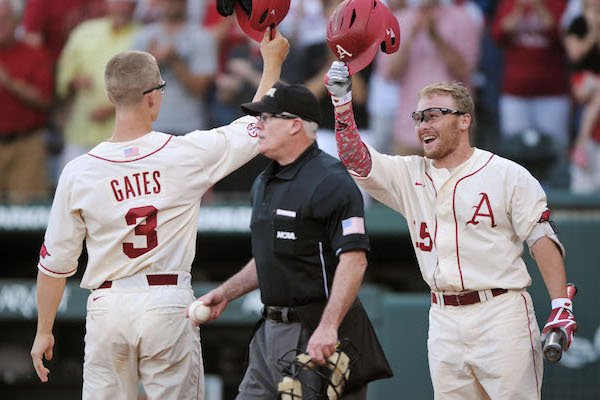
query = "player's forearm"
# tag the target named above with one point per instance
(550, 263)
(245, 281)
(351, 149)
(270, 75)
(346, 284)
(274, 49)
(49, 293)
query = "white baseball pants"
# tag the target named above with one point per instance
(137, 332)
(487, 350)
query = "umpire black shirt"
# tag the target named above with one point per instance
(304, 215)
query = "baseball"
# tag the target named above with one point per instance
(199, 312)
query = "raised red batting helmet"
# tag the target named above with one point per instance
(255, 16)
(356, 28)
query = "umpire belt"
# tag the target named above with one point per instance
(465, 299)
(280, 314)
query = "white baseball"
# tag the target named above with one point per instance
(199, 312)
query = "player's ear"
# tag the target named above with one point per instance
(151, 99)
(465, 122)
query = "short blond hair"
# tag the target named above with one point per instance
(459, 93)
(128, 74)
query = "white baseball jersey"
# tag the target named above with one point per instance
(136, 203)
(468, 225)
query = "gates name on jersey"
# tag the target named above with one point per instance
(134, 185)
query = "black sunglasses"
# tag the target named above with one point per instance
(160, 87)
(265, 117)
(433, 113)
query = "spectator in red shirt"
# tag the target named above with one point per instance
(25, 97)
(48, 23)
(535, 90)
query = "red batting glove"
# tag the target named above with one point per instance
(561, 318)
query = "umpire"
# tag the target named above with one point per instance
(309, 245)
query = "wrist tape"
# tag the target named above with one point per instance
(562, 302)
(340, 101)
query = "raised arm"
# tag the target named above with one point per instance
(351, 149)
(273, 51)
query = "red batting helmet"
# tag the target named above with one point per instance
(254, 16)
(356, 28)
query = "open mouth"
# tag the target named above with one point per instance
(428, 139)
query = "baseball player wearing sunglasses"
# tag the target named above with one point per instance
(469, 213)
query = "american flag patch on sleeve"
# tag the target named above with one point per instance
(353, 225)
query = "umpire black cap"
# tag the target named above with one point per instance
(293, 99)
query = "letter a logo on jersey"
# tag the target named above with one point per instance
(481, 212)
(342, 52)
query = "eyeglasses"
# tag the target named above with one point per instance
(160, 87)
(433, 114)
(264, 117)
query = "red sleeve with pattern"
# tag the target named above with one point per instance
(351, 149)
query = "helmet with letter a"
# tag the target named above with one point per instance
(255, 16)
(357, 28)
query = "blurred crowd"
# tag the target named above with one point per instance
(532, 65)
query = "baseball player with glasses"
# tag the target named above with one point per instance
(468, 212)
(134, 200)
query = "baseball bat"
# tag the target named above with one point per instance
(553, 347)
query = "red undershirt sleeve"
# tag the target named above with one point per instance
(351, 149)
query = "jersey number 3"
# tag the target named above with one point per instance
(148, 229)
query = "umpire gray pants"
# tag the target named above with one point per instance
(270, 343)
